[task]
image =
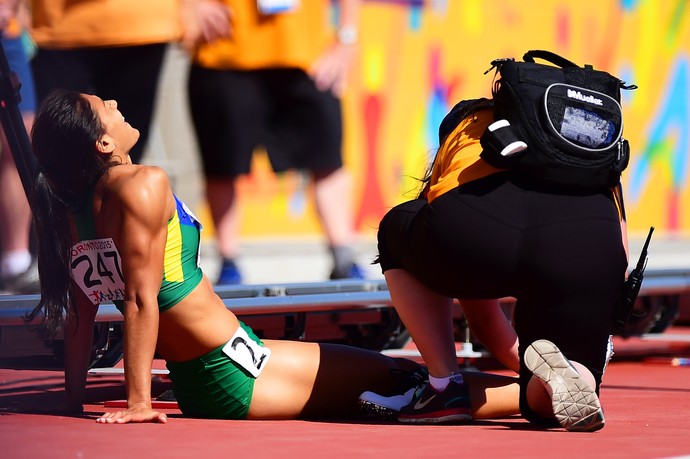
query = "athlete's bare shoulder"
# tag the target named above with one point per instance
(140, 189)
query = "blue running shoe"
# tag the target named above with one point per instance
(351, 272)
(229, 273)
(452, 405)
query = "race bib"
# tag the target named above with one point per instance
(247, 353)
(97, 270)
(276, 6)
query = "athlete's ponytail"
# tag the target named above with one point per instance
(53, 246)
(64, 139)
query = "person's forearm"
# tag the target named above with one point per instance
(492, 328)
(140, 336)
(348, 24)
(78, 343)
(349, 12)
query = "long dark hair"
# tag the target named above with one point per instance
(64, 137)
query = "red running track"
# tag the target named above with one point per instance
(646, 401)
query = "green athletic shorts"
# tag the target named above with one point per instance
(213, 386)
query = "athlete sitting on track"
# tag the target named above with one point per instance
(113, 231)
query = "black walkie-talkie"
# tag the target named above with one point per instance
(631, 288)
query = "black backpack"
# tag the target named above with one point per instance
(559, 125)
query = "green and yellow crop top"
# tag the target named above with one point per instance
(96, 263)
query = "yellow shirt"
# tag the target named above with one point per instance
(457, 160)
(65, 24)
(290, 39)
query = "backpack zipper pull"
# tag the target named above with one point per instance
(497, 63)
(626, 86)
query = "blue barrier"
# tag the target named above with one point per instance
(317, 297)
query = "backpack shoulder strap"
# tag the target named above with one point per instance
(549, 57)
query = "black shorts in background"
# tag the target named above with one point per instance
(234, 112)
(127, 74)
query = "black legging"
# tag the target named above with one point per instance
(560, 255)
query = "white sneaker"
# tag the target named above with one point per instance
(409, 385)
(575, 403)
(23, 283)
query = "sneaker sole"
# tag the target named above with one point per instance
(575, 403)
(373, 411)
(439, 418)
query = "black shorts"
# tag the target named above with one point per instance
(234, 112)
(127, 74)
(561, 256)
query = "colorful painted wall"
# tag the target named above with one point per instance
(420, 57)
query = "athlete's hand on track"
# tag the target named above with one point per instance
(133, 415)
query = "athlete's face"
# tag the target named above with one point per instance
(120, 136)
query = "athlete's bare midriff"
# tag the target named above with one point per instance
(196, 325)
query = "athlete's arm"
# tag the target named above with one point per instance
(78, 337)
(144, 202)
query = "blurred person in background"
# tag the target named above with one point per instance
(17, 272)
(273, 80)
(114, 48)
